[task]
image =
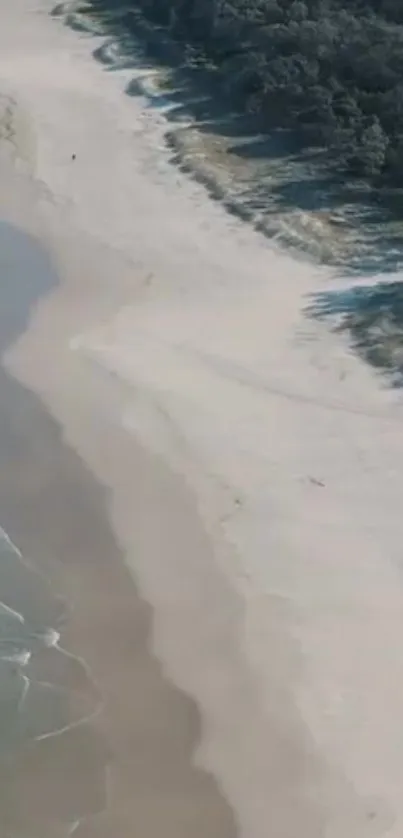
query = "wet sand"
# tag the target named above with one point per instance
(128, 769)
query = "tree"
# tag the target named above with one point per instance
(331, 70)
(298, 11)
(374, 146)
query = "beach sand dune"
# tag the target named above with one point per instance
(251, 471)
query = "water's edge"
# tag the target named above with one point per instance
(65, 757)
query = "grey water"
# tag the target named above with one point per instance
(29, 613)
(47, 697)
(70, 763)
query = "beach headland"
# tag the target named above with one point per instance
(210, 483)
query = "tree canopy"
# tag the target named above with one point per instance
(332, 72)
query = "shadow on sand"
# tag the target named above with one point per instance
(372, 316)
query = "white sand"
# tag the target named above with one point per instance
(289, 631)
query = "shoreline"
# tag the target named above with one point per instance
(147, 731)
(48, 699)
(144, 733)
(212, 666)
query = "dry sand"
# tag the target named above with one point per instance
(253, 472)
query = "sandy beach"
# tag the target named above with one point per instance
(208, 480)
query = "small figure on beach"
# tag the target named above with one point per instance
(73, 156)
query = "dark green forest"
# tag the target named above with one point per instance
(332, 71)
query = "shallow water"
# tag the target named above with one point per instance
(71, 762)
(46, 726)
(48, 700)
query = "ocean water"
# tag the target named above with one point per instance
(48, 706)
(29, 708)
(52, 761)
